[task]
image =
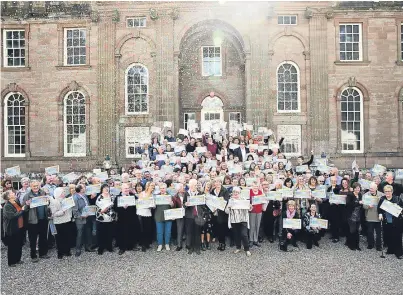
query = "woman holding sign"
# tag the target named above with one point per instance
(312, 230)
(145, 217)
(163, 202)
(392, 225)
(255, 216)
(289, 234)
(62, 220)
(238, 220)
(13, 225)
(105, 217)
(353, 212)
(222, 218)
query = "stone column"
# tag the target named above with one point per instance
(106, 87)
(318, 96)
(248, 89)
(176, 120)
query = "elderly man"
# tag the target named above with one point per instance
(389, 180)
(193, 230)
(334, 172)
(37, 222)
(371, 215)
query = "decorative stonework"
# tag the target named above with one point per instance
(308, 13)
(154, 14)
(307, 54)
(94, 16)
(116, 16)
(352, 82)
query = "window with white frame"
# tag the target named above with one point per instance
(136, 22)
(14, 48)
(401, 41)
(235, 123)
(136, 89)
(75, 46)
(291, 145)
(211, 61)
(350, 42)
(287, 20)
(188, 117)
(74, 125)
(351, 120)
(14, 125)
(288, 87)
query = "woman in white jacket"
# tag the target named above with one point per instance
(62, 220)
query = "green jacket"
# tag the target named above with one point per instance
(10, 218)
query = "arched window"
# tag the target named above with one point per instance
(14, 125)
(136, 89)
(288, 87)
(74, 125)
(212, 110)
(352, 133)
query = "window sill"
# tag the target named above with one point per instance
(352, 63)
(399, 63)
(73, 68)
(15, 69)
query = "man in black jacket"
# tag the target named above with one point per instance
(241, 152)
(389, 180)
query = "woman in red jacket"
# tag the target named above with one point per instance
(255, 215)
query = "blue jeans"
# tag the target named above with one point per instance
(164, 231)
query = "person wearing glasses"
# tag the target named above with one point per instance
(238, 220)
(391, 225)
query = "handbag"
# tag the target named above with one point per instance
(276, 212)
(200, 221)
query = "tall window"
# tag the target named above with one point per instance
(75, 47)
(14, 125)
(288, 87)
(211, 61)
(136, 89)
(74, 125)
(14, 48)
(401, 41)
(350, 42)
(351, 120)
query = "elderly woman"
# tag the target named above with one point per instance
(13, 225)
(105, 217)
(180, 223)
(289, 234)
(145, 217)
(238, 220)
(163, 226)
(392, 226)
(353, 213)
(222, 218)
(312, 232)
(62, 221)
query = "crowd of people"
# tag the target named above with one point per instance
(240, 173)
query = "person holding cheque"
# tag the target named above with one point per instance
(353, 212)
(61, 216)
(105, 216)
(163, 201)
(392, 223)
(370, 201)
(289, 234)
(238, 220)
(145, 216)
(312, 231)
(127, 224)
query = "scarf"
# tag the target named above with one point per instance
(289, 214)
(21, 218)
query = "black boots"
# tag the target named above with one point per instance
(203, 246)
(221, 247)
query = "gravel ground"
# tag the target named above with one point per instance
(329, 269)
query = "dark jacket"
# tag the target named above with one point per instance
(238, 153)
(189, 210)
(290, 230)
(397, 188)
(10, 218)
(32, 213)
(126, 217)
(222, 216)
(351, 203)
(398, 221)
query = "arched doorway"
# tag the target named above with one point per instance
(212, 111)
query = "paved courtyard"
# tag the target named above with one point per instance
(330, 269)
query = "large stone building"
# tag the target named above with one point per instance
(81, 80)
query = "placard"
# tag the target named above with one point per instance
(104, 203)
(365, 184)
(245, 193)
(114, 191)
(197, 135)
(253, 146)
(183, 132)
(249, 181)
(301, 168)
(257, 200)
(126, 201)
(215, 203)
(196, 200)
(370, 200)
(167, 124)
(39, 201)
(275, 195)
(69, 178)
(319, 223)
(89, 210)
(96, 171)
(93, 189)
(337, 199)
(67, 203)
(201, 149)
(291, 223)
(52, 170)
(161, 157)
(233, 146)
(391, 208)
(302, 194)
(163, 200)
(103, 176)
(13, 171)
(145, 203)
(239, 204)
(319, 194)
(399, 174)
(172, 214)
